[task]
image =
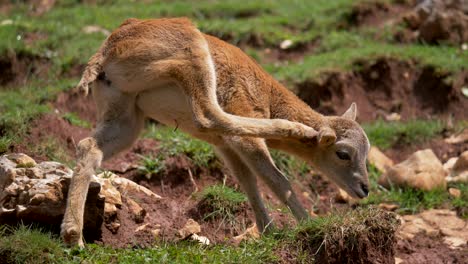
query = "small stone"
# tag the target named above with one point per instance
(22, 160)
(156, 231)
(398, 260)
(190, 228)
(141, 228)
(393, 117)
(201, 239)
(459, 138)
(286, 44)
(306, 194)
(449, 165)
(454, 242)
(249, 233)
(137, 212)
(454, 192)
(388, 207)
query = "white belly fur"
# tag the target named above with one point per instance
(168, 105)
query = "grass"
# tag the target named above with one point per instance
(221, 202)
(29, 245)
(32, 245)
(384, 134)
(20, 106)
(344, 235)
(151, 166)
(75, 120)
(411, 201)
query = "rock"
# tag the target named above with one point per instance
(141, 228)
(286, 44)
(137, 212)
(200, 239)
(459, 138)
(436, 222)
(459, 171)
(379, 160)
(36, 193)
(461, 165)
(128, 186)
(22, 160)
(449, 165)
(388, 207)
(422, 170)
(109, 192)
(454, 192)
(190, 228)
(249, 233)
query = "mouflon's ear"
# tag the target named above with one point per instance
(326, 136)
(351, 112)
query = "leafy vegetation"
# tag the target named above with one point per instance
(221, 202)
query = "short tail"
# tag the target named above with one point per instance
(91, 72)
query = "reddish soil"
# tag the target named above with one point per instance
(386, 86)
(18, 68)
(431, 250)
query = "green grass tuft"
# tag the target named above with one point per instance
(28, 245)
(75, 120)
(221, 202)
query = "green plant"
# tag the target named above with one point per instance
(28, 245)
(151, 166)
(221, 202)
(75, 120)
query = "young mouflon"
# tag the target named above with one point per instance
(167, 70)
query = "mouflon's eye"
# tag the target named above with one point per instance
(343, 155)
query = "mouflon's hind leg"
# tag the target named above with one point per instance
(254, 152)
(117, 129)
(248, 182)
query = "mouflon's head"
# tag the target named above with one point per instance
(341, 153)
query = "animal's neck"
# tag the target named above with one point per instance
(286, 105)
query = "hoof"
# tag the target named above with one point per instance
(71, 237)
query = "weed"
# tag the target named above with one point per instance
(75, 120)
(221, 202)
(345, 235)
(151, 166)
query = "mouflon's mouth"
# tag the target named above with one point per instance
(361, 192)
